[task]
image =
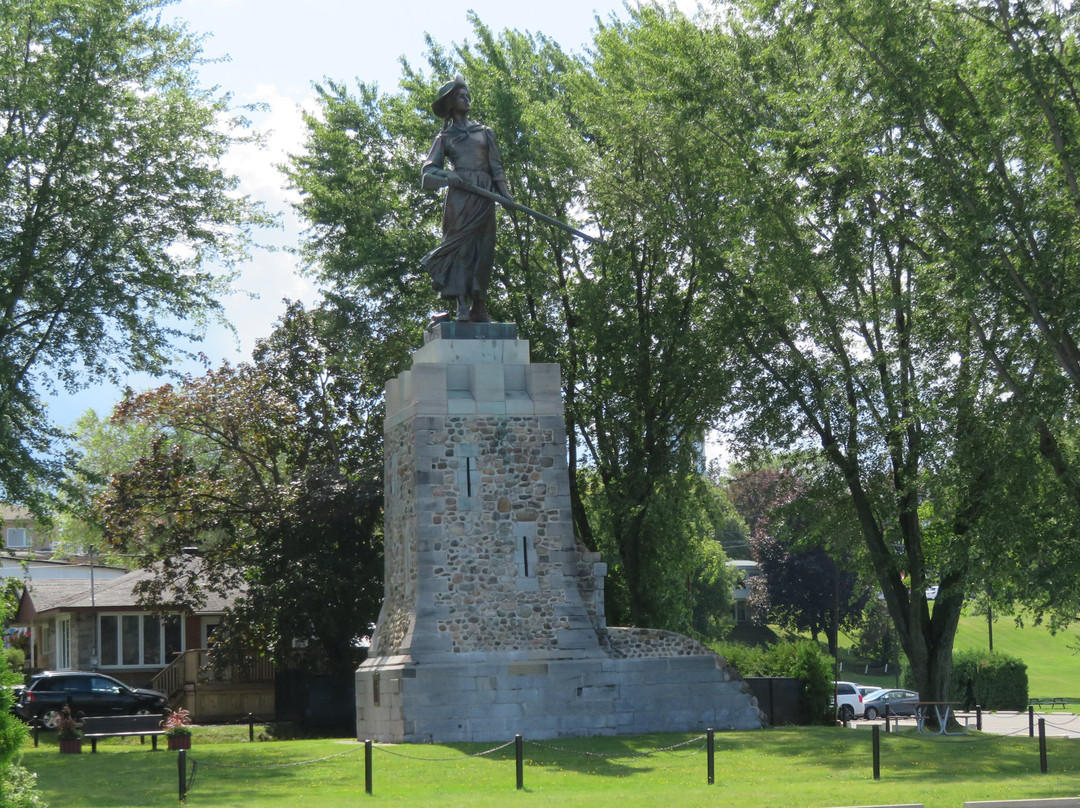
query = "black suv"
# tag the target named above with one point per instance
(86, 693)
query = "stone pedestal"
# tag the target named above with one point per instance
(493, 618)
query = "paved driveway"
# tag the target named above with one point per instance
(1058, 724)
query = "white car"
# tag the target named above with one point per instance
(848, 700)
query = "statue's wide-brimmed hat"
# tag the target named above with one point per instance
(441, 105)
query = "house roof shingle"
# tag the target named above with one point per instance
(110, 593)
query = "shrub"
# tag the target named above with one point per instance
(18, 788)
(802, 660)
(15, 658)
(999, 681)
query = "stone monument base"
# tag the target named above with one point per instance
(492, 623)
(492, 697)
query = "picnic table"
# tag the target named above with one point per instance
(943, 711)
(1050, 701)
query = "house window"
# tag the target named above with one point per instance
(17, 537)
(139, 640)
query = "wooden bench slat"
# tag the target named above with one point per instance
(114, 726)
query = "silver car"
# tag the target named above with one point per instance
(893, 701)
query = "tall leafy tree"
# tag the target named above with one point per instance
(988, 98)
(796, 238)
(849, 333)
(802, 586)
(625, 321)
(17, 786)
(112, 200)
(269, 472)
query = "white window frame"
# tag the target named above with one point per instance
(63, 643)
(117, 662)
(22, 532)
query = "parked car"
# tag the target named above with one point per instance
(86, 693)
(897, 701)
(866, 690)
(848, 700)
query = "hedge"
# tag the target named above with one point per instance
(999, 681)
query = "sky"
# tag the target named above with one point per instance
(271, 52)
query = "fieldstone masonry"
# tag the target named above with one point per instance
(493, 617)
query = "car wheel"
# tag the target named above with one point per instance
(141, 711)
(50, 718)
(847, 712)
(871, 713)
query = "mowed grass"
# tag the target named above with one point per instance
(801, 766)
(1053, 660)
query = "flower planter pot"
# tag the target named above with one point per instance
(179, 742)
(70, 746)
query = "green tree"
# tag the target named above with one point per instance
(847, 330)
(875, 637)
(100, 448)
(114, 201)
(268, 472)
(16, 785)
(783, 247)
(801, 586)
(987, 97)
(625, 321)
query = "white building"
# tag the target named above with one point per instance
(741, 593)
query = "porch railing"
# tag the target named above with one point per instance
(192, 667)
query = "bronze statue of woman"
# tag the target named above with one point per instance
(460, 267)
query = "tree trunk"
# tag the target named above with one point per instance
(927, 638)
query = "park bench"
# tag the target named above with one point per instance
(112, 726)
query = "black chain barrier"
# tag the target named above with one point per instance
(933, 738)
(700, 742)
(626, 756)
(187, 782)
(395, 753)
(1042, 725)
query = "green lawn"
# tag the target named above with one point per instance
(810, 766)
(807, 766)
(1053, 664)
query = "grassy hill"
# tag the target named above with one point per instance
(1053, 660)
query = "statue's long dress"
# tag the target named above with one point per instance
(461, 265)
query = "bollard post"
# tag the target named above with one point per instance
(877, 751)
(37, 731)
(519, 757)
(711, 746)
(978, 717)
(887, 718)
(181, 769)
(367, 767)
(1031, 722)
(251, 727)
(1042, 745)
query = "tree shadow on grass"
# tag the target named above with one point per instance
(605, 756)
(903, 756)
